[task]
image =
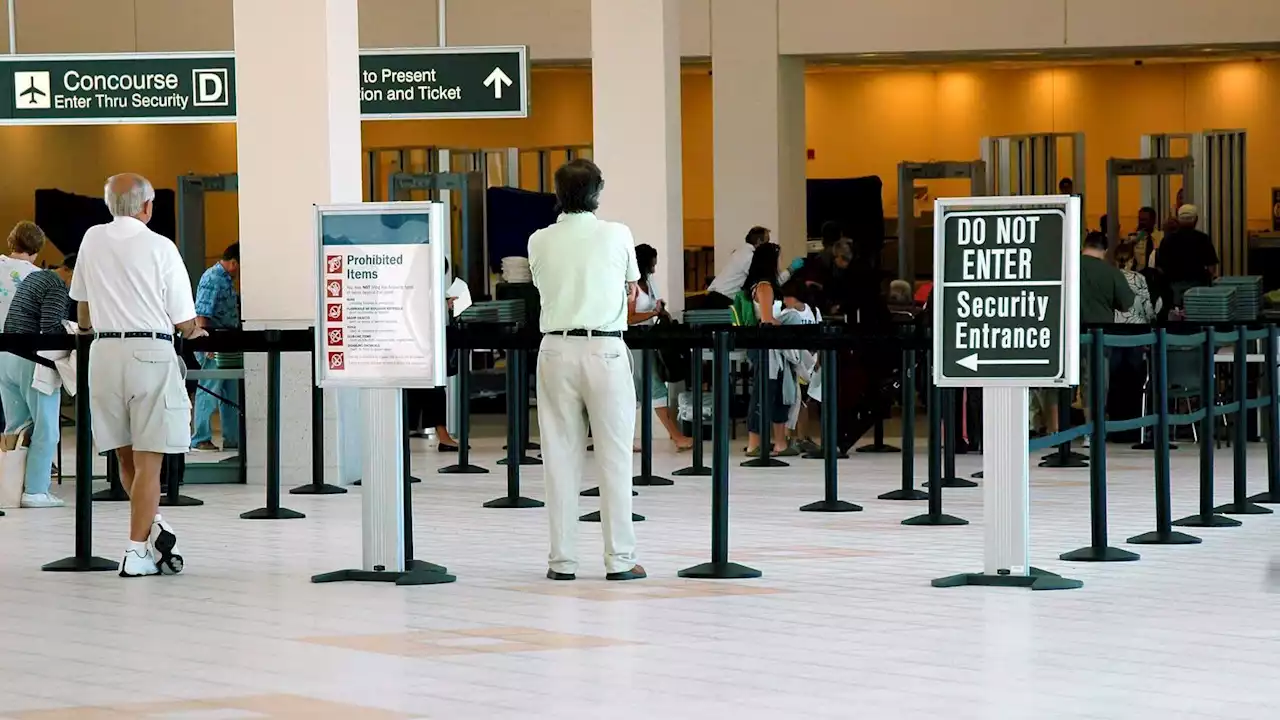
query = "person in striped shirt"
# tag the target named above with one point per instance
(39, 306)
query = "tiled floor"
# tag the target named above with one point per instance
(844, 623)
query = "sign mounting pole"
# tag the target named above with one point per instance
(1006, 319)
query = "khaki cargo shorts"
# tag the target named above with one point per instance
(138, 396)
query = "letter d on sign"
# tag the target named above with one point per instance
(210, 88)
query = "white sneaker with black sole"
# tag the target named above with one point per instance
(138, 564)
(164, 547)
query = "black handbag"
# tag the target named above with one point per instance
(671, 364)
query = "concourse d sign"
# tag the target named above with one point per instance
(1006, 291)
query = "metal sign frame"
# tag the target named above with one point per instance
(1069, 205)
(521, 50)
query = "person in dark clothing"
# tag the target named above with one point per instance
(1187, 256)
(1104, 290)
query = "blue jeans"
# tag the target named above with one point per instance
(24, 404)
(206, 404)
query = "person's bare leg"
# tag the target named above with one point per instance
(779, 437)
(667, 418)
(144, 499)
(443, 437)
(124, 458)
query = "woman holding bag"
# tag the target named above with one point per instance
(645, 309)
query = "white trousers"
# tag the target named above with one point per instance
(577, 374)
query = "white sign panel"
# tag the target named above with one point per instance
(380, 298)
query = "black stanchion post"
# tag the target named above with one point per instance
(877, 439)
(764, 397)
(1064, 456)
(519, 387)
(1240, 504)
(114, 492)
(411, 565)
(908, 490)
(830, 501)
(174, 468)
(1098, 550)
(720, 568)
(317, 486)
(950, 436)
(646, 478)
(1272, 430)
(935, 515)
(525, 395)
(464, 466)
(1208, 390)
(1163, 534)
(697, 469)
(84, 559)
(273, 511)
(515, 418)
(404, 441)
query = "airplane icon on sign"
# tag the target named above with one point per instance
(32, 89)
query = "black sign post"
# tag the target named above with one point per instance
(1006, 319)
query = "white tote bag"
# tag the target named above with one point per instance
(13, 467)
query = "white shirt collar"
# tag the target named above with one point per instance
(124, 226)
(576, 216)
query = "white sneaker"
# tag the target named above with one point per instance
(136, 564)
(42, 500)
(164, 547)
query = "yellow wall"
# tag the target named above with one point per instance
(860, 122)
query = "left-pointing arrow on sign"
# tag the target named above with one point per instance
(971, 362)
(497, 79)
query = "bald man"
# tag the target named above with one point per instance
(133, 292)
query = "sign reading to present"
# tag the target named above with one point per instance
(381, 299)
(1005, 302)
(477, 82)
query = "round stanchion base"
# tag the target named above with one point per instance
(1037, 580)
(408, 577)
(955, 483)
(831, 506)
(463, 470)
(878, 449)
(939, 520)
(75, 564)
(1073, 461)
(111, 494)
(268, 514)
(413, 480)
(180, 501)
(720, 571)
(769, 462)
(1208, 521)
(651, 481)
(595, 492)
(1099, 554)
(693, 471)
(321, 489)
(1246, 508)
(529, 446)
(820, 456)
(978, 475)
(425, 566)
(1266, 498)
(1164, 538)
(516, 502)
(594, 516)
(526, 460)
(905, 494)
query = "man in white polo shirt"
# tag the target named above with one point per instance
(133, 291)
(585, 270)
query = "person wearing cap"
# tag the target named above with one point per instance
(1187, 257)
(586, 273)
(133, 292)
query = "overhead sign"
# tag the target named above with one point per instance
(440, 83)
(1006, 291)
(380, 295)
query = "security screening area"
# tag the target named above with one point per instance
(900, 425)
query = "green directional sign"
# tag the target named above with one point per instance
(1006, 291)
(430, 83)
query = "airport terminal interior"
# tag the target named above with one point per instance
(841, 127)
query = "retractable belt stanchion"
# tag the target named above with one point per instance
(518, 414)
(464, 466)
(908, 490)
(174, 469)
(764, 400)
(318, 486)
(877, 439)
(646, 478)
(84, 559)
(1240, 504)
(1098, 550)
(950, 436)
(114, 492)
(1163, 534)
(720, 568)
(697, 469)
(410, 564)
(273, 511)
(1272, 426)
(830, 501)
(1064, 456)
(515, 418)
(1208, 390)
(935, 515)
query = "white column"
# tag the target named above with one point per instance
(759, 128)
(635, 79)
(297, 145)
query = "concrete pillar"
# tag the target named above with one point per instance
(297, 145)
(759, 129)
(635, 79)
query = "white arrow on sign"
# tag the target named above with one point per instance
(972, 362)
(497, 79)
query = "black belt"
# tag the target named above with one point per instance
(166, 337)
(588, 333)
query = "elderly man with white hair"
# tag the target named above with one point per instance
(133, 292)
